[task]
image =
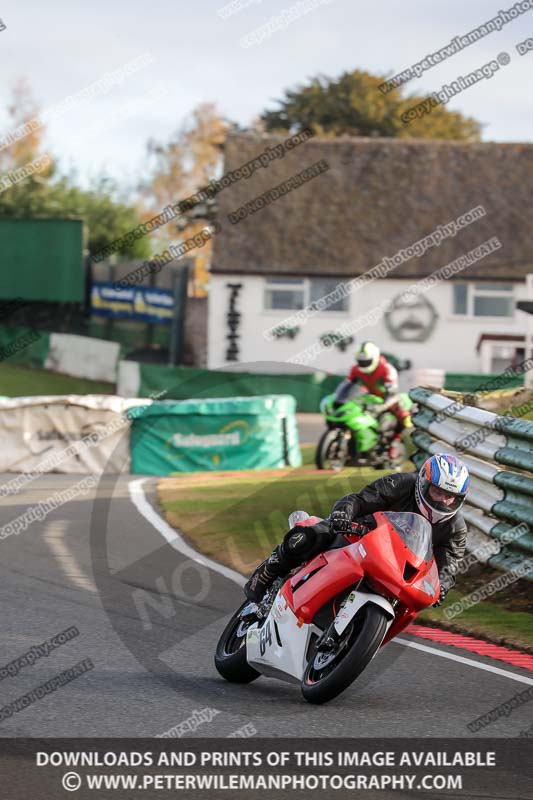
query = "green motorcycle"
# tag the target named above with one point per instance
(358, 434)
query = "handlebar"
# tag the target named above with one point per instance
(359, 528)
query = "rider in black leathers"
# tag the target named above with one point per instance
(396, 492)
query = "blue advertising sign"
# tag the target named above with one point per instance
(142, 303)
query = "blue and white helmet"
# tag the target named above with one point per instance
(448, 474)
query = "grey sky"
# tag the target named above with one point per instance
(64, 46)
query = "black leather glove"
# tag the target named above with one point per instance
(340, 522)
(442, 595)
(359, 529)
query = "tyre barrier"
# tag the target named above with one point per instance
(498, 452)
(93, 434)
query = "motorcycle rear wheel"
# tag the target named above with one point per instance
(230, 655)
(327, 443)
(329, 674)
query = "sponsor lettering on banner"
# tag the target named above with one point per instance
(208, 440)
(141, 303)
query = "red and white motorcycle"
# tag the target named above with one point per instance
(322, 625)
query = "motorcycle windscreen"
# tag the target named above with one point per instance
(414, 530)
(347, 391)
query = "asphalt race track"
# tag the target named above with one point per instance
(149, 617)
(310, 427)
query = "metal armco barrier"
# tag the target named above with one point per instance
(500, 501)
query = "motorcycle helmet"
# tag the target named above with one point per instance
(368, 357)
(449, 476)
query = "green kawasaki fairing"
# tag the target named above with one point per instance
(355, 412)
(346, 408)
(352, 414)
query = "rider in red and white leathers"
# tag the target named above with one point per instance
(380, 378)
(437, 492)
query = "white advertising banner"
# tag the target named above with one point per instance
(71, 434)
(83, 357)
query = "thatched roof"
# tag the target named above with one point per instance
(379, 195)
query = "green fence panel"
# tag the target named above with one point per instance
(465, 382)
(182, 383)
(42, 259)
(131, 335)
(13, 350)
(214, 434)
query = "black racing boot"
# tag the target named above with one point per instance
(275, 566)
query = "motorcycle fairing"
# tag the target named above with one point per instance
(382, 556)
(334, 571)
(279, 648)
(354, 603)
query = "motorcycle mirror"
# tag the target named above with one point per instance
(296, 517)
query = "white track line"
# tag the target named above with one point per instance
(55, 539)
(462, 660)
(148, 512)
(144, 508)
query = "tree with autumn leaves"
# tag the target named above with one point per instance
(178, 169)
(354, 105)
(49, 194)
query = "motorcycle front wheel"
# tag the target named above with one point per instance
(332, 450)
(330, 672)
(230, 656)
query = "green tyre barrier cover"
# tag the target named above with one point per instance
(215, 434)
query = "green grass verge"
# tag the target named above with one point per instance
(487, 620)
(25, 381)
(237, 519)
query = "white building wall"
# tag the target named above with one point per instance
(451, 346)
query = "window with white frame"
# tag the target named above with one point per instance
(284, 294)
(293, 294)
(483, 299)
